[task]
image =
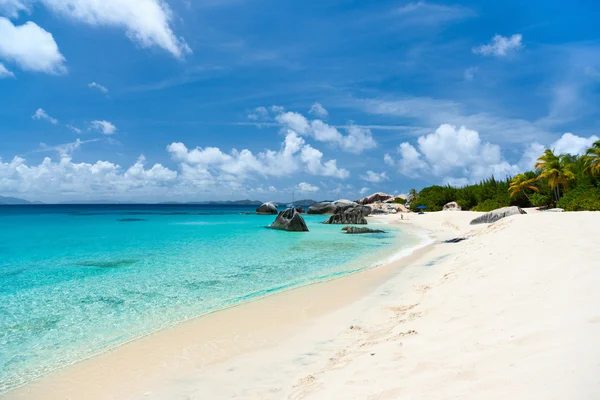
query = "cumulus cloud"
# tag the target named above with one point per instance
(459, 156)
(64, 177)
(314, 165)
(374, 177)
(450, 151)
(5, 73)
(293, 155)
(41, 114)
(272, 189)
(107, 128)
(30, 47)
(572, 144)
(95, 85)
(307, 187)
(500, 46)
(389, 160)
(318, 110)
(410, 163)
(357, 139)
(146, 22)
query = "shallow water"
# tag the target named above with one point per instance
(78, 280)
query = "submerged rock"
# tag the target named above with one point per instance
(498, 214)
(360, 229)
(452, 206)
(267, 208)
(289, 220)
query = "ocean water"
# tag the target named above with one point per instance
(78, 280)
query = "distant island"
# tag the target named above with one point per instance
(5, 200)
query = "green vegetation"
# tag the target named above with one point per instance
(399, 200)
(563, 180)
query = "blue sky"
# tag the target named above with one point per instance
(152, 100)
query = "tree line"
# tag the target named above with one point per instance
(566, 181)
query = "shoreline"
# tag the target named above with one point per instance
(56, 378)
(510, 310)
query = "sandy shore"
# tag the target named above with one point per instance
(511, 312)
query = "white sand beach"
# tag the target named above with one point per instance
(512, 312)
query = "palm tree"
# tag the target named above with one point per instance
(592, 158)
(521, 183)
(556, 170)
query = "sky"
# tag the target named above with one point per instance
(193, 100)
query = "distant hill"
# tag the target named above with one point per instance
(304, 203)
(13, 201)
(230, 202)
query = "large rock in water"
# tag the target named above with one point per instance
(498, 214)
(289, 220)
(354, 215)
(378, 197)
(267, 208)
(452, 206)
(351, 230)
(300, 209)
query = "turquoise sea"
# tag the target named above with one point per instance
(78, 280)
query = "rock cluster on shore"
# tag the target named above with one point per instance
(452, 206)
(289, 220)
(498, 214)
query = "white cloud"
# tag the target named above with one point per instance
(84, 180)
(307, 187)
(470, 73)
(12, 8)
(389, 160)
(449, 152)
(272, 189)
(259, 113)
(65, 149)
(500, 46)
(312, 158)
(422, 13)
(293, 155)
(95, 85)
(410, 163)
(107, 128)
(147, 22)
(5, 73)
(374, 177)
(294, 121)
(41, 114)
(30, 47)
(356, 141)
(364, 191)
(318, 110)
(74, 129)
(572, 144)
